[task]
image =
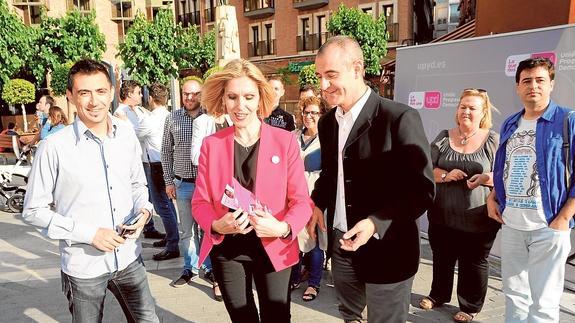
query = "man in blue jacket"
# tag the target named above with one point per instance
(532, 199)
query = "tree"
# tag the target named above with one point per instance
(18, 91)
(15, 43)
(370, 34)
(66, 39)
(195, 51)
(307, 76)
(59, 82)
(149, 48)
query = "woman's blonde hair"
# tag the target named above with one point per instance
(215, 85)
(486, 122)
(57, 116)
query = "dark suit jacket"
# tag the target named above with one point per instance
(388, 177)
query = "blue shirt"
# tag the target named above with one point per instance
(550, 160)
(48, 129)
(80, 183)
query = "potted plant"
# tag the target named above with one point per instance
(19, 91)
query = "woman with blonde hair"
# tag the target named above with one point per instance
(255, 239)
(459, 228)
(57, 120)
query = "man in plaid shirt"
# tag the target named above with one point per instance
(180, 175)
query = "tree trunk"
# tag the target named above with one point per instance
(24, 118)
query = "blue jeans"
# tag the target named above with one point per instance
(162, 204)
(129, 286)
(316, 257)
(533, 273)
(191, 236)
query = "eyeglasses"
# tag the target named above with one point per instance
(191, 93)
(474, 89)
(310, 113)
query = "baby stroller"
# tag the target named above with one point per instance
(13, 185)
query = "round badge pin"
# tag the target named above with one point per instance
(275, 159)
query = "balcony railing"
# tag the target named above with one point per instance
(258, 8)
(393, 31)
(311, 41)
(309, 4)
(189, 19)
(210, 15)
(262, 48)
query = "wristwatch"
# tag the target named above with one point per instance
(443, 176)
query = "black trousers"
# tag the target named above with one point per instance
(240, 260)
(470, 250)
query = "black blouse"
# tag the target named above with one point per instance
(245, 164)
(456, 206)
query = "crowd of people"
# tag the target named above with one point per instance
(95, 184)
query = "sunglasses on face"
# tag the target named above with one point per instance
(310, 113)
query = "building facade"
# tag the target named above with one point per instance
(445, 17)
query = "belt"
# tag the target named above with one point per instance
(187, 180)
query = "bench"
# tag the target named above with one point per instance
(9, 142)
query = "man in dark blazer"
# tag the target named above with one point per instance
(376, 181)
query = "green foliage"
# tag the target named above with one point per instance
(211, 71)
(149, 47)
(285, 75)
(15, 43)
(18, 91)
(192, 78)
(370, 34)
(66, 39)
(196, 51)
(307, 76)
(59, 80)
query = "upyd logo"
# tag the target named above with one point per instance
(427, 100)
(513, 61)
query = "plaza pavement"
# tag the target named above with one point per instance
(30, 289)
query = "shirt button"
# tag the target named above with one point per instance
(110, 187)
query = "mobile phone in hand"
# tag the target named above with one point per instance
(130, 221)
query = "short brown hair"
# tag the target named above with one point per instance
(128, 87)
(214, 87)
(49, 99)
(159, 92)
(86, 67)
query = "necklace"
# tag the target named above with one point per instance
(245, 144)
(465, 139)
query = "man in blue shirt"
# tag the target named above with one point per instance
(86, 180)
(532, 199)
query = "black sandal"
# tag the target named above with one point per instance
(308, 297)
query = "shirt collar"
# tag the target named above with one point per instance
(80, 128)
(355, 109)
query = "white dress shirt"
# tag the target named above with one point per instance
(134, 121)
(80, 183)
(345, 122)
(150, 131)
(204, 125)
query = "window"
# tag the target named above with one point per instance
(81, 5)
(367, 10)
(123, 27)
(210, 11)
(305, 34)
(387, 12)
(255, 41)
(31, 10)
(122, 9)
(321, 30)
(454, 13)
(251, 5)
(270, 41)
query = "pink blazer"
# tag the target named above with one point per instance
(280, 184)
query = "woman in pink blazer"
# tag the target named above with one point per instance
(251, 243)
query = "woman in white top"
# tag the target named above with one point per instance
(312, 108)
